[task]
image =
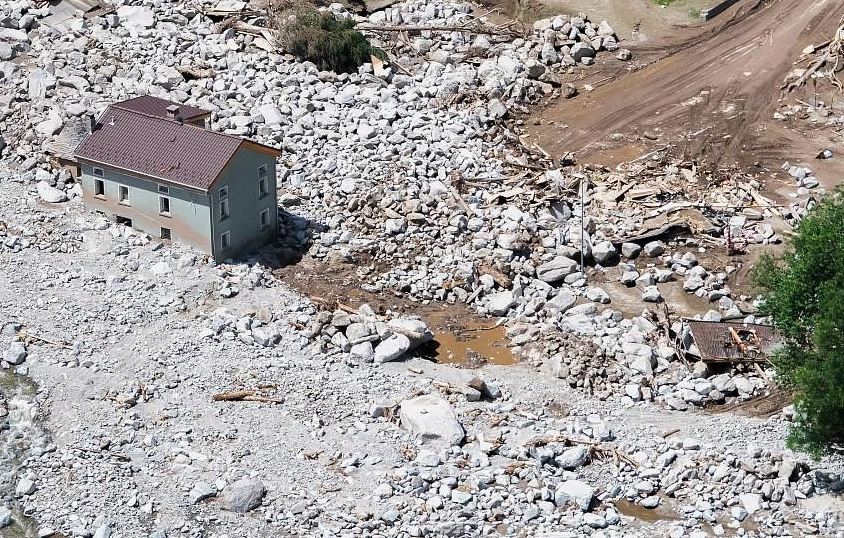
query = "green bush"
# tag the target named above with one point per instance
(332, 44)
(803, 292)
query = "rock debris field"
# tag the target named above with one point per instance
(175, 398)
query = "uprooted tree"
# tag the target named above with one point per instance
(803, 292)
(827, 63)
(318, 36)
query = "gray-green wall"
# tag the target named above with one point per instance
(194, 214)
(189, 221)
(243, 223)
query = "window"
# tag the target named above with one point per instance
(224, 209)
(99, 188)
(225, 241)
(98, 172)
(224, 203)
(123, 194)
(164, 205)
(165, 233)
(164, 189)
(265, 219)
(263, 181)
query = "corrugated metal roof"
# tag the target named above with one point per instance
(161, 147)
(716, 343)
(155, 106)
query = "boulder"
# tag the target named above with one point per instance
(432, 419)
(392, 348)
(573, 457)
(50, 194)
(16, 353)
(556, 270)
(500, 303)
(575, 491)
(752, 502)
(136, 17)
(414, 329)
(244, 495)
(581, 50)
(604, 253)
(654, 249)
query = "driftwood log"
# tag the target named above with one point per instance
(244, 396)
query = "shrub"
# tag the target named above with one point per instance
(330, 43)
(803, 292)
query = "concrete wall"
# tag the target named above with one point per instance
(189, 221)
(243, 222)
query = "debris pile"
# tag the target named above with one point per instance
(365, 336)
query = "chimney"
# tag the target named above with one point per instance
(172, 111)
(90, 123)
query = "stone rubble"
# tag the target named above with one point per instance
(425, 174)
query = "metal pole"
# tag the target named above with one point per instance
(582, 226)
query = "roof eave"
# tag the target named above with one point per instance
(142, 175)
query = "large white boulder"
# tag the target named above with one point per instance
(431, 418)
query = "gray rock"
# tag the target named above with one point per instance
(573, 457)
(597, 295)
(654, 249)
(651, 294)
(581, 50)
(630, 250)
(500, 303)
(575, 491)
(39, 83)
(25, 486)
(604, 253)
(103, 531)
(244, 495)
(556, 270)
(414, 329)
(5, 517)
(752, 502)
(200, 492)
(392, 348)
(431, 418)
(15, 354)
(496, 109)
(136, 17)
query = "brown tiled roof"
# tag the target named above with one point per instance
(161, 148)
(153, 106)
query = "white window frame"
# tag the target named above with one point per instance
(163, 189)
(120, 199)
(161, 209)
(263, 181)
(224, 202)
(261, 222)
(99, 183)
(97, 171)
(226, 241)
(223, 195)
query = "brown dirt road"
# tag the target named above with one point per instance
(709, 92)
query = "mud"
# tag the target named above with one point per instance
(469, 344)
(708, 92)
(462, 338)
(648, 515)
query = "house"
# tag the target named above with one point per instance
(151, 164)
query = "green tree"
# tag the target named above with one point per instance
(803, 292)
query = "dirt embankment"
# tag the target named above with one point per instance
(710, 92)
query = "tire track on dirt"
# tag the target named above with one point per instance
(718, 83)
